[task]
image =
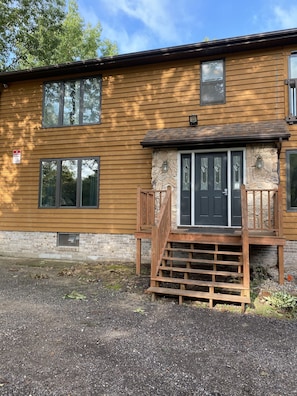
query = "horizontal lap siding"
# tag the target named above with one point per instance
(133, 101)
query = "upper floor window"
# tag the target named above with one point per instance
(69, 182)
(292, 86)
(73, 102)
(212, 86)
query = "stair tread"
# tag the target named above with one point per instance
(185, 250)
(201, 271)
(201, 261)
(196, 282)
(196, 294)
(207, 242)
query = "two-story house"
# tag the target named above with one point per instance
(79, 139)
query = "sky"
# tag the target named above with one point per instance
(140, 25)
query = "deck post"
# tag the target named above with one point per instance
(138, 255)
(280, 254)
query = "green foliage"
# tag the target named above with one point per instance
(282, 301)
(41, 32)
(28, 28)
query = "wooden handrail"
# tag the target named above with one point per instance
(245, 238)
(160, 232)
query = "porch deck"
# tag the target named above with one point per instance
(207, 263)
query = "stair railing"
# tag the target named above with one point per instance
(245, 240)
(160, 232)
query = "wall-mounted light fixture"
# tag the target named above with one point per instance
(259, 162)
(193, 120)
(164, 166)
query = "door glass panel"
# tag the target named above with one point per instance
(186, 174)
(236, 169)
(204, 174)
(217, 173)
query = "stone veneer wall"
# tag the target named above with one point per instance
(99, 247)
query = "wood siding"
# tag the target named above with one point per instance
(134, 100)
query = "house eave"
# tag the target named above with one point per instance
(196, 50)
(217, 135)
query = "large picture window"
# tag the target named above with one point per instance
(73, 102)
(72, 183)
(212, 86)
(292, 180)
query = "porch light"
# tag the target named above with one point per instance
(164, 166)
(193, 120)
(259, 162)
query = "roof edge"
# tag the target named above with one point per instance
(204, 48)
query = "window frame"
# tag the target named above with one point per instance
(290, 208)
(212, 83)
(291, 82)
(58, 183)
(61, 101)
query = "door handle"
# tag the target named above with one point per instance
(225, 191)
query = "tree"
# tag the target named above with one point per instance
(34, 25)
(41, 32)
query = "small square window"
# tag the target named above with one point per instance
(67, 239)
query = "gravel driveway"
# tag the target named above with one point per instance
(119, 343)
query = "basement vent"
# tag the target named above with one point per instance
(67, 239)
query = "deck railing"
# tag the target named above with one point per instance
(261, 210)
(149, 203)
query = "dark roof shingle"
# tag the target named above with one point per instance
(267, 131)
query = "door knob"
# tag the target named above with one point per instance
(225, 191)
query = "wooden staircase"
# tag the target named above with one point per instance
(204, 270)
(213, 266)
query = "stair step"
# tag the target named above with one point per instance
(197, 294)
(210, 240)
(201, 271)
(194, 282)
(185, 250)
(201, 261)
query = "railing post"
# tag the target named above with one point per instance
(245, 241)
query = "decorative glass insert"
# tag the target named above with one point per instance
(212, 87)
(217, 173)
(69, 183)
(186, 176)
(204, 174)
(73, 102)
(236, 169)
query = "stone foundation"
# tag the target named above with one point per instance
(92, 247)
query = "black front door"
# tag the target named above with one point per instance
(210, 188)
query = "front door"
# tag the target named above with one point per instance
(210, 188)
